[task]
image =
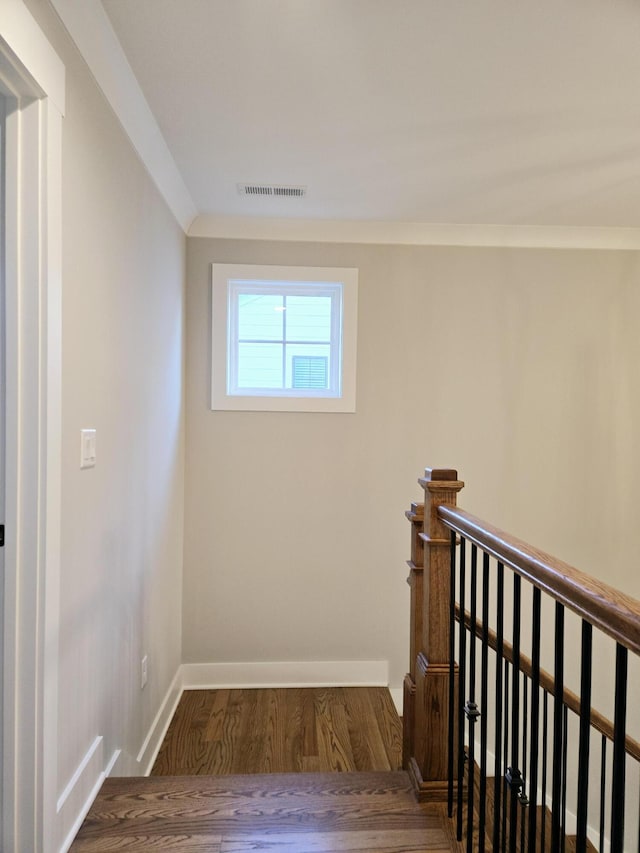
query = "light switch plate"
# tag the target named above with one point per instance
(87, 448)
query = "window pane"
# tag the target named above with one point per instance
(259, 365)
(309, 318)
(300, 351)
(260, 317)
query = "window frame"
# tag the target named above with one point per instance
(240, 286)
(226, 280)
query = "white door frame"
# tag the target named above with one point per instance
(2, 434)
(32, 75)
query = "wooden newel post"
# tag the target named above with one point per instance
(427, 683)
(416, 516)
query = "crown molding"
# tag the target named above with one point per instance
(90, 28)
(26, 41)
(415, 233)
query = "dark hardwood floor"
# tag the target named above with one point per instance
(278, 813)
(291, 742)
(290, 730)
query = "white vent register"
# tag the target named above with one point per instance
(272, 190)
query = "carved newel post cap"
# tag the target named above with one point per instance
(448, 474)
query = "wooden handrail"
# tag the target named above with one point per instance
(598, 721)
(613, 612)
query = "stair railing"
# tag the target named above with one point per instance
(495, 732)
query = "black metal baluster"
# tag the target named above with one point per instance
(471, 709)
(505, 756)
(545, 726)
(452, 669)
(535, 715)
(565, 742)
(558, 692)
(619, 754)
(514, 777)
(484, 681)
(585, 731)
(524, 801)
(497, 776)
(603, 785)
(462, 675)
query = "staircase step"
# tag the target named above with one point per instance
(571, 845)
(542, 814)
(280, 813)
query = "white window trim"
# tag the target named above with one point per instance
(284, 401)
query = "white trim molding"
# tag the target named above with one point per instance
(91, 30)
(80, 792)
(29, 46)
(83, 787)
(341, 673)
(397, 694)
(158, 729)
(33, 79)
(415, 233)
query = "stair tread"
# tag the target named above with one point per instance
(543, 813)
(314, 812)
(396, 781)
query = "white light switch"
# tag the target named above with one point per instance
(87, 448)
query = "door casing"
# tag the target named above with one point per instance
(32, 83)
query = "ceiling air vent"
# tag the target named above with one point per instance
(273, 190)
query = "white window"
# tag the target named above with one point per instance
(284, 338)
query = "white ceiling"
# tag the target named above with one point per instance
(434, 111)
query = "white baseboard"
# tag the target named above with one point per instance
(81, 790)
(72, 794)
(153, 741)
(344, 673)
(397, 694)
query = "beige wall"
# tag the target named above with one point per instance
(518, 367)
(122, 362)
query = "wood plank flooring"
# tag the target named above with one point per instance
(221, 732)
(279, 813)
(292, 741)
